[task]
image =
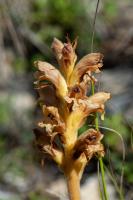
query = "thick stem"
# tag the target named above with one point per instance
(73, 185)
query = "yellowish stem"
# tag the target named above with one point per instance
(71, 168)
(73, 184)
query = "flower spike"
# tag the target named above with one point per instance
(65, 108)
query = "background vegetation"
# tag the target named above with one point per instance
(27, 29)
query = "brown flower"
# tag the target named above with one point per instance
(57, 47)
(89, 144)
(47, 145)
(81, 108)
(78, 91)
(52, 121)
(50, 73)
(65, 54)
(45, 98)
(89, 63)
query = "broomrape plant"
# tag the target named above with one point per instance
(65, 107)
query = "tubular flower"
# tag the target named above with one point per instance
(66, 56)
(89, 144)
(89, 63)
(50, 73)
(65, 107)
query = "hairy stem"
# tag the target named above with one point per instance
(73, 185)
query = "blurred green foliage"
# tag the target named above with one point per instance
(2, 147)
(20, 65)
(117, 123)
(114, 143)
(110, 9)
(55, 18)
(36, 196)
(49, 18)
(4, 112)
(83, 129)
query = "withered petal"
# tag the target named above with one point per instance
(52, 121)
(52, 113)
(81, 108)
(91, 136)
(98, 98)
(68, 60)
(91, 62)
(89, 144)
(93, 150)
(45, 92)
(57, 47)
(45, 144)
(42, 138)
(66, 57)
(78, 91)
(49, 72)
(94, 103)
